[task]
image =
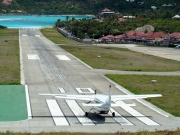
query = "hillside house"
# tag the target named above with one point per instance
(176, 17)
(108, 39)
(105, 12)
(6, 1)
(175, 37)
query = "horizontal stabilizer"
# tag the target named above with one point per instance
(44, 94)
(122, 105)
(112, 105)
(92, 105)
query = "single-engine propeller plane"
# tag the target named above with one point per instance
(100, 103)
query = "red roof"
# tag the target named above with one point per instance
(121, 19)
(119, 36)
(133, 33)
(108, 36)
(148, 34)
(159, 35)
(106, 10)
(139, 33)
(105, 37)
(130, 33)
(175, 34)
(6, 1)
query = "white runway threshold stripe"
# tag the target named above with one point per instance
(56, 113)
(61, 90)
(138, 115)
(80, 114)
(120, 119)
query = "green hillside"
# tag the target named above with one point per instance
(90, 6)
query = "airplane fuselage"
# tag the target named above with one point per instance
(105, 107)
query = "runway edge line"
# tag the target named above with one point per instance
(28, 103)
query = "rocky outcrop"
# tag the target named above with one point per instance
(145, 28)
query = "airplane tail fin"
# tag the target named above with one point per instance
(109, 99)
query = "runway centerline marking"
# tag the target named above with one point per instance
(138, 115)
(37, 35)
(56, 113)
(85, 90)
(61, 90)
(79, 113)
(62, 57)
(33, 57)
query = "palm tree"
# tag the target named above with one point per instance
(67, 18)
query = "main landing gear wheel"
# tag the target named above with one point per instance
(86, 114)
(113, 114)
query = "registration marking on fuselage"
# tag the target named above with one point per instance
(56, 113)
(62, 57)
(138, 115)
(119, 118)
(33, 56)
(79, 113)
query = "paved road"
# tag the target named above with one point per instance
(49, 69)
(164, 52)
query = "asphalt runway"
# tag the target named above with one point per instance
(46, 68)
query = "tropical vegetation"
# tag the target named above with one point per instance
(111, 25)
(93, 6)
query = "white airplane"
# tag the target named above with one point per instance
(100, 103)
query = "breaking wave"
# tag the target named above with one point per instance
(10, 19)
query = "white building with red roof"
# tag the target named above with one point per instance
(105, 11)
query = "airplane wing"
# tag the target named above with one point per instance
(116, 98)
(78, 97)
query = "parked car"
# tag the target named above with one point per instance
(177, 47)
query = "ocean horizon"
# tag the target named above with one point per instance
(36, 21)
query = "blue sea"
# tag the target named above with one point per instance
(36, 21)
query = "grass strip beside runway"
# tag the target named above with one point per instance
(9, 57)
(121, 59)
(168, 86)
(176, 132)
(12, 103)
